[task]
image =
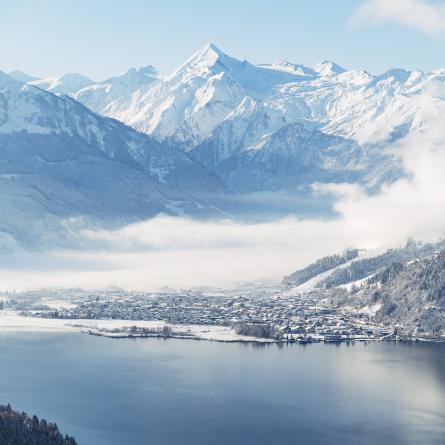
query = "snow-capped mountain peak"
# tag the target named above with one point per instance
(99, 96)
(185, 105)
(149, 70)
(21, 76)
(207, 55)
(67, 84)
(209, 60)
(76, 81)
(7, 79)
(328, 68)
(140, 75)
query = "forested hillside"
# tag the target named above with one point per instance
(412, 294)
(321, 265)
(365, 267)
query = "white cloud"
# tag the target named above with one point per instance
(425, 16)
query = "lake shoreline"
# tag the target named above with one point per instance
(121, 329)
(124, 335)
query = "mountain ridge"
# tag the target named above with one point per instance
(60, 160)
(235, 106)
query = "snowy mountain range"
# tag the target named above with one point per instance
(186, 105)
(226, 112)
(214, 127)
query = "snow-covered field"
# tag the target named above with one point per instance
(11, 321)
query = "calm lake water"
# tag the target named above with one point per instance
(154, 391)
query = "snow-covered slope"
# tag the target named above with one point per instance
(99, 96)
(59, 160)
(66, 84)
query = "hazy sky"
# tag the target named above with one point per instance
(101, 38)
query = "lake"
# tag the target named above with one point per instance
(155, 391)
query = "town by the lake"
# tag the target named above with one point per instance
(253, 313)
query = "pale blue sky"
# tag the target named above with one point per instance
(100, 38)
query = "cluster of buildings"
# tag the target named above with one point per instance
(293, 317)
